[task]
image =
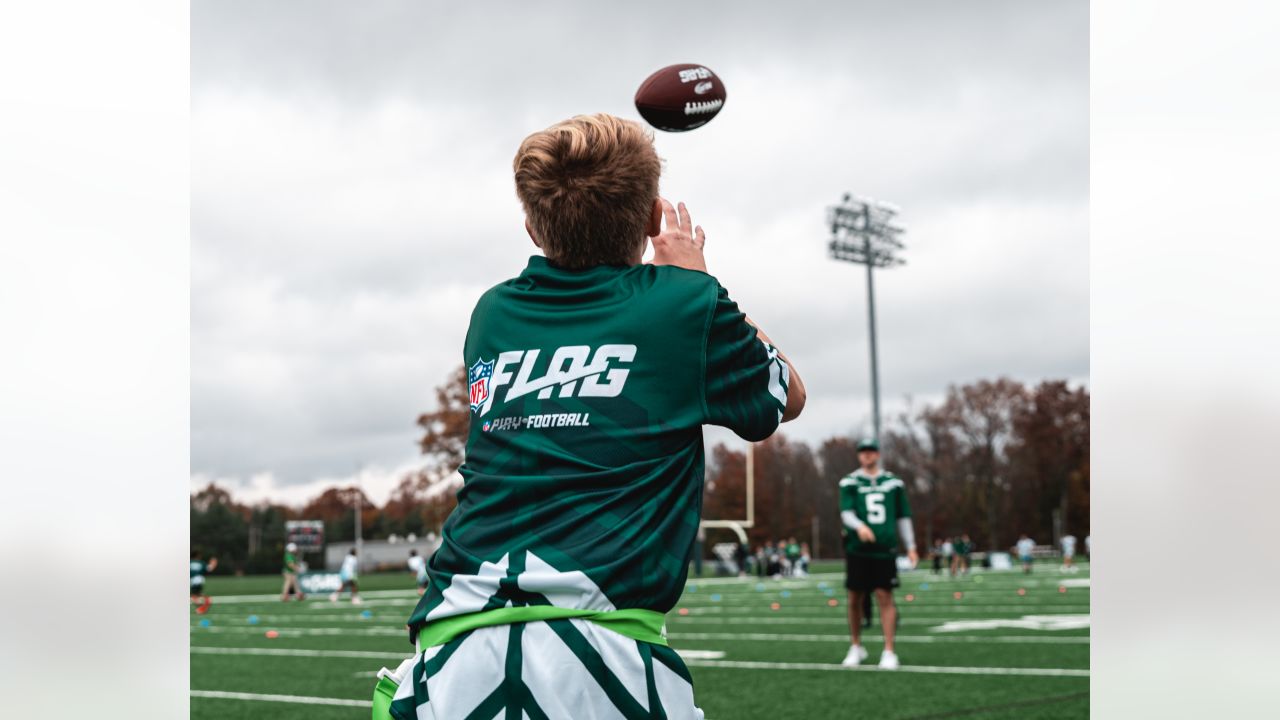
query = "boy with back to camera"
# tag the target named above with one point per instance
(590, 377)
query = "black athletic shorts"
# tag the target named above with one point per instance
(863, 574)
(197, 590)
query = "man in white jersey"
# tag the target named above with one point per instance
(1068, 552)
(1025, 546)
(418, 567)
(348, 574)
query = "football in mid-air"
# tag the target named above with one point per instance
(680, 97)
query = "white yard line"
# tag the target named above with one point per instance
(792, 606)
(406, 593)
(398, 631)
(409, 596)
(691, 658)
(927, 669)
(318, 617)
(287, 632)
(266, 622)
(295, 652)
(1049, 596)
(844, 638)
(841, 621)
(297, 699)
(783, 583)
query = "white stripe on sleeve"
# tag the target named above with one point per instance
(907, 532)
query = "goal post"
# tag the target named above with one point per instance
(740, 527)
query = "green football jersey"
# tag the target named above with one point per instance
(290, 562)
(583, 480)
(879, 502)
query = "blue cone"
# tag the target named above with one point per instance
(253, 619)
(205, 622)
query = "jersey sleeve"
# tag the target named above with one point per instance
(745, 381)
(847, 494)
(904, 507)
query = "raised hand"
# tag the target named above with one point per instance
(680, 243)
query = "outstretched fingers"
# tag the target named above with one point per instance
(669, 214)
(686, 224)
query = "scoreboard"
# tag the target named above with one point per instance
(308, 535)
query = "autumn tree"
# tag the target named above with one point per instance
(1052, 454)
(336, 507)
(219, 527)
(725, 490)
(980, 419)
(444, 430)
(419, 503)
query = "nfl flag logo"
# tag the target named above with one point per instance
(478, 376)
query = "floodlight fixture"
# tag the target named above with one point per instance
(863, 232)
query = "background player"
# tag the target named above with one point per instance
(418, 566)
(348, 574)
(876, 515)
(198, 570)
(1068, 552)
(291, 569)
(963, 551)
(793, 556)
(1025, 546)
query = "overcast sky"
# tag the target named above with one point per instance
(352, 198)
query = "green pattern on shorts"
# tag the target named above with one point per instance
(514, 696)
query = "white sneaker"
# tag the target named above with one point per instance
(333, 597)
(356, 600)
(888, 660)
(856, 655)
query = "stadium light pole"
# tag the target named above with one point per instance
(863, 232)
(355, 500)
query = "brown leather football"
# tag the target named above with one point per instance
(680, 97)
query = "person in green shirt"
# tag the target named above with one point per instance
(964, 551)
(793, 556)
(876, 515)
(290, 572)
(590, 376)
(198, 570)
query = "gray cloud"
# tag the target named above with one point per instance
(351, 196)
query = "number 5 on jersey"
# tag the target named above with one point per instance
(875, 508)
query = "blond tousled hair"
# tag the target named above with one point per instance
(588, 185)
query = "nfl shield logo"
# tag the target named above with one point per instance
(478, 376)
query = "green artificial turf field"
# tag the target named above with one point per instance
(991, 653)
